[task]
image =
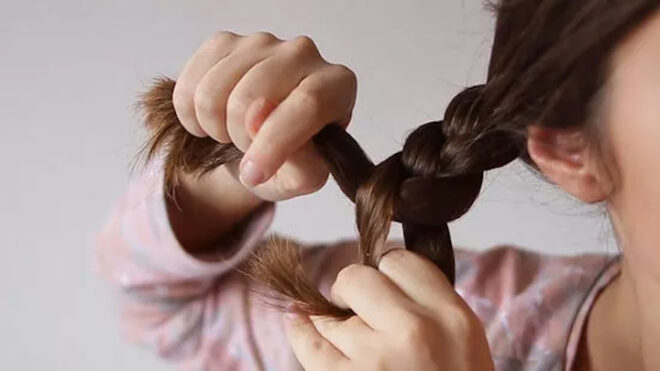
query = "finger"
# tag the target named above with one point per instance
(350, 336)
(371, 295)
(304, 172)
(319, 99)
(265, 85)
(418, 278)
(211, 51)
(213, 91)
(312, 350)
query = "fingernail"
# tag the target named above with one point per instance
(251, 173)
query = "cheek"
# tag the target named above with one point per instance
(635, 140)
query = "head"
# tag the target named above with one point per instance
(571, 90)
(577, 84)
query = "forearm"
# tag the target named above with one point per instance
(206, 209)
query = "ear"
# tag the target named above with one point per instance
(564, 157)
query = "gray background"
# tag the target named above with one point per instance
(69, 74)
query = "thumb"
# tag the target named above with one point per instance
(313, 104)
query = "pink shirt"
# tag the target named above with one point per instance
(203, 315)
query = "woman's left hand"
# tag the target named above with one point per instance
(408, 318)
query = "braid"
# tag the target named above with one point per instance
(537, 75)
(433, 180)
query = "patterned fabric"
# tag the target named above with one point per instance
(205, 316)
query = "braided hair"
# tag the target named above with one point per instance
(432, 181)
(537, 74)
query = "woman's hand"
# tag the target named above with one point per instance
(408, 318)
(268, 97)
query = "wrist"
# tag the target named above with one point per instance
(204, 209)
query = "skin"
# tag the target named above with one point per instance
(622, 330)
(635, 133)
(408, 318)
(226, 91)
(269, 96)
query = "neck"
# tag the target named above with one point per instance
(646, 305)
(623, 330)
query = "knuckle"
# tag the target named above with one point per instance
(224, 36)
(308, 101)
(220, 40)
(393, 258)
(263, 37)
(303, 45)
(349, 278)
(348, 275)
(303, 41)
(348, 73)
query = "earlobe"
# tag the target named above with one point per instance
(564, 158)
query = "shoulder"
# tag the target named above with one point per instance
(511, 272)
(527, 300)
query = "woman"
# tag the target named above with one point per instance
(574, 84)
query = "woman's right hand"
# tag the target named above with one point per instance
(268, 97)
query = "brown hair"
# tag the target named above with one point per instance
(549, 61)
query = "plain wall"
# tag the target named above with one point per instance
(70, 72)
